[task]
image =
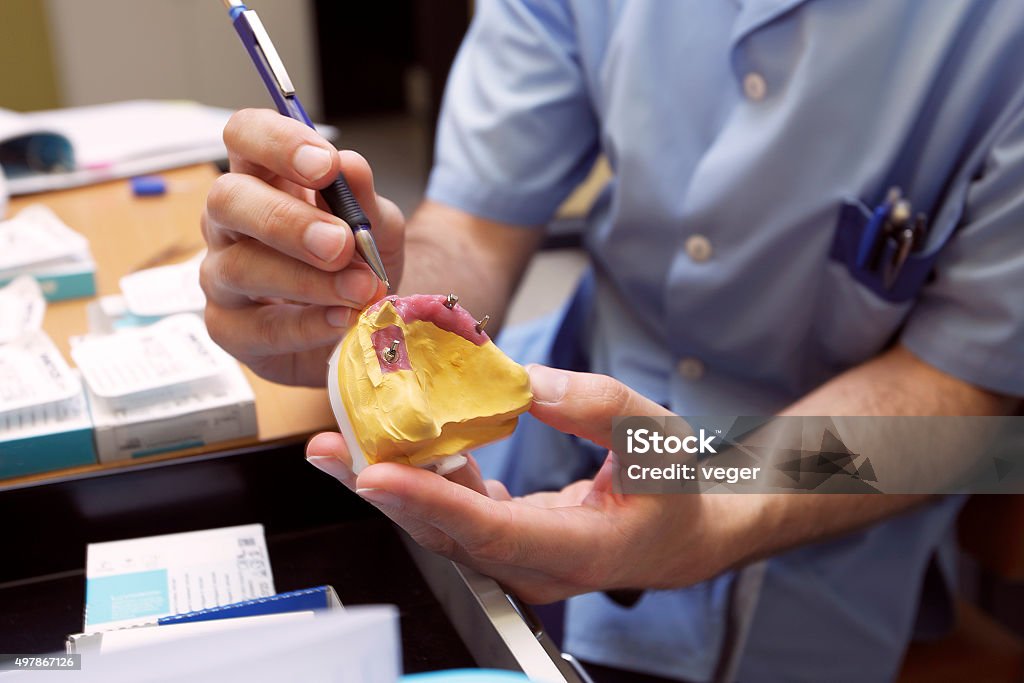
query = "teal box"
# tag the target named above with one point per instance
(46, 438)
(45, 453)
(74, 279)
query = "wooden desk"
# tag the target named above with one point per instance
(127, 233)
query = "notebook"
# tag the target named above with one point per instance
(62, 148)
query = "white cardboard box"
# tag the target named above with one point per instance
(188, 415)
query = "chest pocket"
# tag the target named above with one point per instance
(857, 311)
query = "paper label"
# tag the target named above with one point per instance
(165, 290)
(139, 580)
(49, 418)
(33, 372)
(173, 351)
(22, 308)
(36, 235)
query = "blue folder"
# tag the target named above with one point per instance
(321, 597)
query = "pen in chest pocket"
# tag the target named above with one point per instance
(890, 225)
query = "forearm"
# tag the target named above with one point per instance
(448, 250)
(894, 384)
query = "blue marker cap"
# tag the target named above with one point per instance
(148, 186)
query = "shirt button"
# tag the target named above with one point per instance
(754, 86)
(690, 368)
(698, 248)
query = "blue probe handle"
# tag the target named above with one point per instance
(338, 195)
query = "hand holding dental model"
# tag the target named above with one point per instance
(417, 380)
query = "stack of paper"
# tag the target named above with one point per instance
(158, 590)
(44, 419)
(36, 242)
(357, 644)
(163, 387)
(139, 580)
(61, 148)
(51, 150)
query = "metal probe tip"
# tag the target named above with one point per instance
(367, 248)
(228, 4)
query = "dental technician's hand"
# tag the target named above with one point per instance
(281, 276)
(552, 545)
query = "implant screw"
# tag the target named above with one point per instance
(482, 323)
(450, 301)
(390, 354)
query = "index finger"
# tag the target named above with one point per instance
(262, 142)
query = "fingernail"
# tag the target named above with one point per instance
(312, 163)
(330, 465)
(548, 385)
(356, 286)
(339, 316)
(380, 497)
(324, 240)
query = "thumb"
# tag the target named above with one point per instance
(584, 404)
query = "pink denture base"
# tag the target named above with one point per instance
(381, 340)
(431, 308)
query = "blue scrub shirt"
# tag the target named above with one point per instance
(749, 141)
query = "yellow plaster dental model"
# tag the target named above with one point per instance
(418, 381)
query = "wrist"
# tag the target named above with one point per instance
(701, 537)
(733, 531)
